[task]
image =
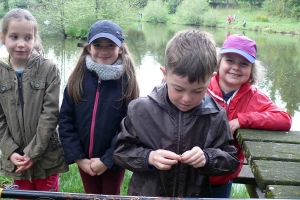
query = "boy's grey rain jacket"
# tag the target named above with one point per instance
(153, 123)
(29, 109)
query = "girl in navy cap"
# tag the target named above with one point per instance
(95, 101)
(246, 106)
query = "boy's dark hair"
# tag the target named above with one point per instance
(191, 53)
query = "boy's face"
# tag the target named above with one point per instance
(183, 94)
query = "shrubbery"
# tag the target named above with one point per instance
(155, 11)
(261, 18)
(192, 12)
(210, 19)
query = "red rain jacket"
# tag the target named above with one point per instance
(254, 110)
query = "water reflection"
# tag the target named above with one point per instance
(279, 53)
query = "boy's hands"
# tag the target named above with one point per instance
(98, 166)
(194, 157)
(163, 159)
(85, 165)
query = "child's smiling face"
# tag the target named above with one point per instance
(104, 51)
(234, 70)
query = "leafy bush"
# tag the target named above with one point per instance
(172, 5)
(155, 12)
(261, 18)
(191, 12)
(210, 19)
(17, 4)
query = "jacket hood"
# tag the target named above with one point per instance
(34, 58)
(160, 96)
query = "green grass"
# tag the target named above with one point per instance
(275, 24)
(4, 181)
(71, 182)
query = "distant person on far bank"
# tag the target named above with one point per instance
(233, 18)
(246, 106)
(244, 23)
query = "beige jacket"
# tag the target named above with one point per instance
(29, 109)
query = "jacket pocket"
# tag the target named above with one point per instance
(38, 84)
(7, 165)
(5, 87)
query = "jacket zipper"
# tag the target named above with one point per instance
(20, 88)
(176, 183)
(92, 131)
(26, 173)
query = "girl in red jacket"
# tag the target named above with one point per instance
(246, 106)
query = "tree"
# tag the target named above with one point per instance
(172, 5)
(5, 4)
(191, 12)
(73, 17)
(294, 6)
(137, 3)
(254, 2)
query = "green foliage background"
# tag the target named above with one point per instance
(73, 17)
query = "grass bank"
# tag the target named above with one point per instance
(257, 20)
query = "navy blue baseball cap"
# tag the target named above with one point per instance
(106, 29)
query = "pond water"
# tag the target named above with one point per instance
(280, 55)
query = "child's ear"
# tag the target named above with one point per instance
(164, 73)
(88, 48)
(123, 45)
(120, 50)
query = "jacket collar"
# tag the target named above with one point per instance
(215, 91)
(160, 96)
(32, 60)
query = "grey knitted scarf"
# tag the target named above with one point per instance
(105, 72)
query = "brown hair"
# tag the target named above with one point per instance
(128, 78)
(191, 53)
(23, 15)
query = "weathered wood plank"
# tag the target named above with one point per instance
(271, 151)
(245, 176)
(282, 191)
(275, 173)
(292, 137)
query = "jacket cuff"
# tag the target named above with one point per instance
(110, 164)
(150, 167)
(207, 159)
